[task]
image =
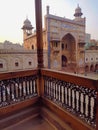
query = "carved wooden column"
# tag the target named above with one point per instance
(38, 15)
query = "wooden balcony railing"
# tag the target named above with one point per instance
(16, 87)
(77, 95)
(71, 97)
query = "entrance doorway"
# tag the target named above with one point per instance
(64, 61)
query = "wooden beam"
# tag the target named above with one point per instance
(38, 15)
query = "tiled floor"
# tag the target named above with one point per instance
(32, 124)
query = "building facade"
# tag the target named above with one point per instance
(63, 39)
(16, 58)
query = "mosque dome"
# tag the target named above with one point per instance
(78, 12)
(27, 24)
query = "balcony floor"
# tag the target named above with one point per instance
(36, 123)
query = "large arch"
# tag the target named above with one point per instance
(69, 47)
(69, 42)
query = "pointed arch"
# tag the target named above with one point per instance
(69, 47)
(64, 61)
(68, 42)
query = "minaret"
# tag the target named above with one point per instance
(27, 28)
(78, 15)
(78, 12)
(47, 9)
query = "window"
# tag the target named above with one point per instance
(32, 47)
(30, 63)
(91, 58)
(1, 65)
(56, 44)
(66, 46)
(62, 46)
(16, 64)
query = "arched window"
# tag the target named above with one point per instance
(30, 63)
(1, 65)
(16, 64)
(32, 47)
(62, 46)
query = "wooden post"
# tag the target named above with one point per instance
(39, 35)
(38, 15)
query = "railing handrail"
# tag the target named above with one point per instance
(74, 78)
(16, 74)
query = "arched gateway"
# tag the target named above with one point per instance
(68, 50)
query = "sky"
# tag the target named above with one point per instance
(14, 12)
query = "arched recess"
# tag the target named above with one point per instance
(64, 61)
(3, 64)
(32, 47)
(96, 67)
(92, 68)
(17, 63)
(69, 47)
(86, 68)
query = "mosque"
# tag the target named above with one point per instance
(64, 40)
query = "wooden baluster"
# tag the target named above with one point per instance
(34, 86)
(69, 93)
(71, 96)
(28, 87)
(96, 110)
(50, 89)
(67, 96)
(84, 104)
(17, 90)
(31, 89)
(24, 88)
(20, 90)
(59, 91)
(64, 93)
(45, 88)
(36, 92)
(75, 102)
(92, 109)
(0, 95)
(8, 93)
(55, 90)
(89, 108)
(3, 93)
